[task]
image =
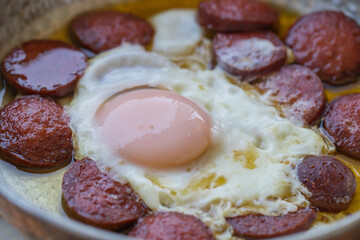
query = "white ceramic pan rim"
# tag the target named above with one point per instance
(83, 231)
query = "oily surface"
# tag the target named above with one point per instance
(45, 67)
(171, 225)
(298, 92)
(331, 183)
(35, 133)
(327, 42)
(236, 15)
(103, 30)
(342, 124)
(93, 197)
(260, 226)
(249, 55)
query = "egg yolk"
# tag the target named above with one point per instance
(154, 128)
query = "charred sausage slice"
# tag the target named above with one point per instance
(103, 30)
(92, 197)
(261, 226)
(171, 225)
(236, 15)
(331, 183)
(45, 67)
(328, 42)
(342, 124)
(35, 134)
(297, 91)
(249, 55)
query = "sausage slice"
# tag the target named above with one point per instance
(45, 67)
(249, 55)
(331, 183)
(103, 30)
(328, 42)
(261, 226)
(342, 124)
(171, 225)
(35, 134)
(236, 15)
(92, 197)
(297, 91)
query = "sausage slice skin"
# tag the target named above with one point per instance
(104, 30)
(236, 15)
(249, 55)
(92, 197)
(171, 225)
(328, 42)
(297, 91)
(331, 183)
(342, 124)
(35, 134)
(261, 226)
(44, 67)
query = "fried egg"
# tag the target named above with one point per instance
(189, 140)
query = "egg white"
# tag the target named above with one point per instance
(176, 32)
(249, 166)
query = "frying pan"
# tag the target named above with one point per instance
(31, 202)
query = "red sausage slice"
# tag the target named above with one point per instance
(298, 92)
(260, 226)
(35, 134)
(328, 42)
(100, 31)
(171, 225)
(249, 55)
(331, 183)
(48, 68)
(92, 197)
(236, 15)
(342, 124)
